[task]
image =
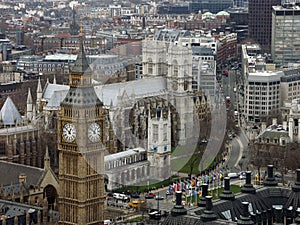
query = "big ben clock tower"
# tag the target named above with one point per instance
(82, 133)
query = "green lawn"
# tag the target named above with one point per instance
(136, 219)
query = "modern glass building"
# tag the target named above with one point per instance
(285, 46)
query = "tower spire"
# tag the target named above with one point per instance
(29, 105)
(46, 159)
(81, 73)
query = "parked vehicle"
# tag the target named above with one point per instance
(225, 73)
(158, 197)
(242, 175)
(136, 203)
(108, 222)
(233, 175)
(228, 100)
(150, 195)
(120, 196)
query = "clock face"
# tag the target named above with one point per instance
(69, 132)
(94, 132)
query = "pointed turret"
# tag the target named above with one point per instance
(54, 79)
(29, 105)
(81, 92)
(39, 90)
(46, 159)
(9, 113)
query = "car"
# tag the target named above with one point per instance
(158, 197)
(120, 196)
(225, 73)
(277, 175)
(233, 175)
(150, 195)
(154, 214)
(242, 175)
(135, 195)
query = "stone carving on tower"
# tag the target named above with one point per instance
(154, 58)
(179, 83)
(83, 128)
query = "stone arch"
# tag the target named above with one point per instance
(50, 193)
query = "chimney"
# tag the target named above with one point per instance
(245, 217)
(202, 200)
(297, 219)
(259, 217)
(296, 186)
(264, 217)
(289, 215)
(278, 216)
(178, 209)
(270, 216)
(270, 181)
(208, 214)
(248, 187)
(227, 193)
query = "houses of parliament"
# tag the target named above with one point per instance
(107, 135)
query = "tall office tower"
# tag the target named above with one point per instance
(285, 46)
(260, 22)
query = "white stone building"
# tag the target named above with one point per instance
(261, 86)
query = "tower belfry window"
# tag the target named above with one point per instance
(155, 132)
(150, 66)
(175, 69)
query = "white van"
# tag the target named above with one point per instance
(120, 196)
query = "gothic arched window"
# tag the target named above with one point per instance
(175, 68)
(150, 66)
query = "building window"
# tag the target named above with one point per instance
(2, 148)
(165, 132)
(155, 132)
(150, 66)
